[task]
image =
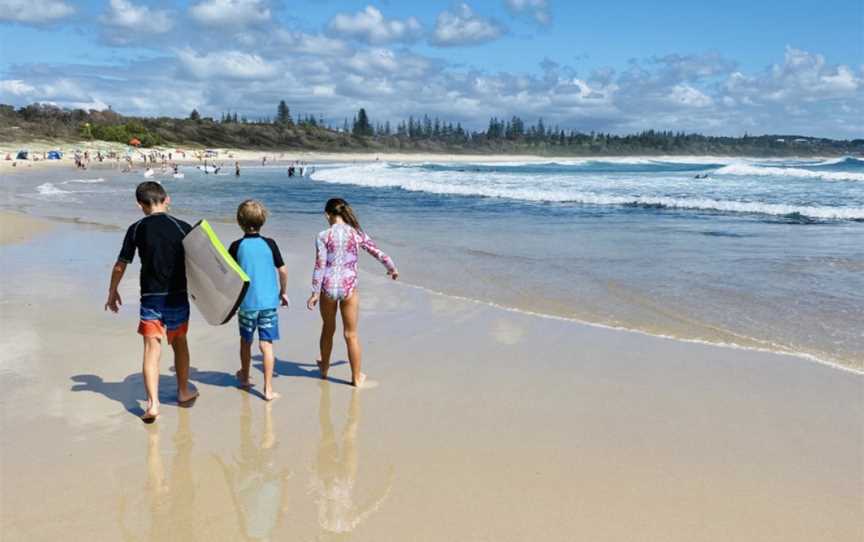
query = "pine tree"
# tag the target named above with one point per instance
(194, 115)
(362, 127)
(283, 114)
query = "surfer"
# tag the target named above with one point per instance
(164, 308)
(261, 260)
(335, 274)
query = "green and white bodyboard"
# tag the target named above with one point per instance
(216, 283)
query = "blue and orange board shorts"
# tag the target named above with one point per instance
(164, 316)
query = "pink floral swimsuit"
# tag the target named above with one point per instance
(336, 255)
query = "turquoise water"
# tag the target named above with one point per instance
(761, 253)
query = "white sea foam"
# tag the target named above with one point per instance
(623, 160)
(48, 189)
(84, 181)
(593, 190)
(842, 159)
(767, 171)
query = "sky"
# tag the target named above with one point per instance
(721, 68)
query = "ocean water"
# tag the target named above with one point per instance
(761, 254)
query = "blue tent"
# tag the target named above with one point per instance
(22, 155)
(55, 155)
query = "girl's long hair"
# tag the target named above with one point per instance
(339, 207)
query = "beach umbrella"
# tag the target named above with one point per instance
(135, 142)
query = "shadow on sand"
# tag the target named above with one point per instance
(295, 369)
(129, 392)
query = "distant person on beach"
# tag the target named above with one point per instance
(164, 312)
(335, 275)
(236, 169)
(261, 260)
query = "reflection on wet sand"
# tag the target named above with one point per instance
(258, 487)
(170, 499)
(335, 477)
(244, 492)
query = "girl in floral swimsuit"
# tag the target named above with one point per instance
(336, 255)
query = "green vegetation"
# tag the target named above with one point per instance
(424, 134)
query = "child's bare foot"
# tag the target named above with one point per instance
(358, 381)
(322, 368)
(187, 397)
(271, 395)
(243, 382)
(151, 413)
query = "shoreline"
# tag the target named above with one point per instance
(800, 355)
(42, 223)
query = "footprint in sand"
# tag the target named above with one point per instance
(368, 384)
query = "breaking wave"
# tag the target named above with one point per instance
(676, 191)
(797, 172)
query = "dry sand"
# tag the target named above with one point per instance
(484, 425)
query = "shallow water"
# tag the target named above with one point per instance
(762, 253)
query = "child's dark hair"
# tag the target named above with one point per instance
(339, 207)
(150, 193)
(251, 215)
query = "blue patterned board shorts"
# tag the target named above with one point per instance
(265, 321)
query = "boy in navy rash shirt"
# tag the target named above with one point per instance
(260, 259)
(164, 311)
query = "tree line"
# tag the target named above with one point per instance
(422, 133)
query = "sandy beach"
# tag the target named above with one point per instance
(480, 424)
(225, 155)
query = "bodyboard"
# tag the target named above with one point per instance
(216, 283)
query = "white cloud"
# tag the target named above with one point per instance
(464, 27)
(311, 44)
(226, 65)
(126, 16)
(16, 87)
(688, 96)
(34, 11)
(371, 26)
(230, 12)
(58, 92)
(803, 77)
(841, 81)
(537, 9)
(317, 74)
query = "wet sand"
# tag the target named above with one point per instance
(481, 424)
(18, 227)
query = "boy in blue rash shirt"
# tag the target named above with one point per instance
(260, 259)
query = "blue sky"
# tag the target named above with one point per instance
(715, 67)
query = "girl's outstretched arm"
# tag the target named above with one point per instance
(369, 246)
